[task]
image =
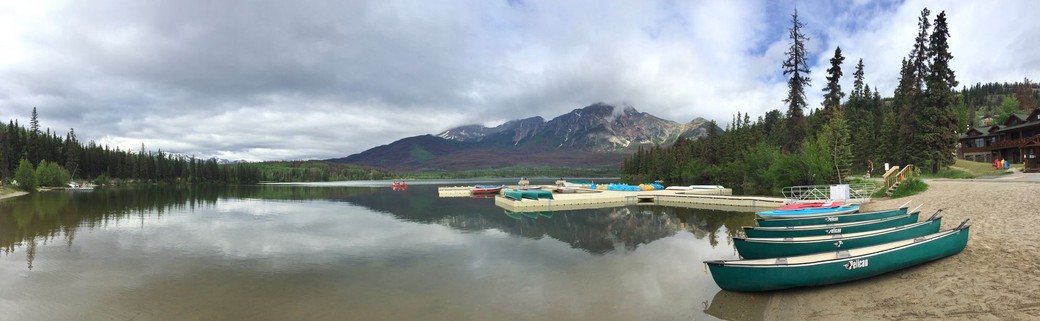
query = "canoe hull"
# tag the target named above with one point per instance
(808, 212)
(774, 247)
(534, 194)
(751, 278)
(830, 229)
(492, 190)
(830, 219)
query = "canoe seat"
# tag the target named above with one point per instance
(788, 239)
(919, 239)
(843, 254)
(781, 260)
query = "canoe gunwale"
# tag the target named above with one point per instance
(834, 237)
(836, 258)
(823, 226)
(811, 213)
(786, 219)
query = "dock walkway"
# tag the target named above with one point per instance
(721, 199)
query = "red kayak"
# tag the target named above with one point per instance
(797, 206)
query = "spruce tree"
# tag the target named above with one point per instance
(832, 94)
(34, 138)
(796, 67)
(938, 118)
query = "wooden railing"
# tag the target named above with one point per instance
(1001, 144)
(892, 177)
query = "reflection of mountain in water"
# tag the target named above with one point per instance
(44, 217)
(594, 230)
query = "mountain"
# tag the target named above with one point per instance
(595, 136)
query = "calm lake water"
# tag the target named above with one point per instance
(357, 251)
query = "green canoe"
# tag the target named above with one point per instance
(843, 218)
(760, 248)
(836, 267)
(534, 194)
(828, 229)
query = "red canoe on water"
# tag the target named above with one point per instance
(796, 206)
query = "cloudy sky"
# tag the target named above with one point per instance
(274, 80)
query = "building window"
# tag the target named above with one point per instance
(979, 142)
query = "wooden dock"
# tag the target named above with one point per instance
(455, 191)
(720, 199)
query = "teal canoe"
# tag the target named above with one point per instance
(808, 212)
(836, 267)
(830, 219)
(534, 194)
(828, 229)
(760, 248)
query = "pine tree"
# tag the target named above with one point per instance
(34, 138)
(72, 150)
(938, 119)
(832, 94)
(795, 65)
(857, 83)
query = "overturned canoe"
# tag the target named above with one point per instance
(760, 248)
(534, 194)
(808, 212)
(829, 219)
(836, 267)
(828, 229)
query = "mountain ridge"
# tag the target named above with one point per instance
(594, 136)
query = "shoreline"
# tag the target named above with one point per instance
(993, 278)
(12, 194)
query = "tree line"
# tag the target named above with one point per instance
(34, 157)
(918, 125)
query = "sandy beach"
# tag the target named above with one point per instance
(996, 277)
(12, 194)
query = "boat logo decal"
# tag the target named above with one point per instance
(855, 264)
(834, 231)
(838, 243)
(831, 219)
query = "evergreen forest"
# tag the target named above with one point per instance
(851, 135)
(33, 158)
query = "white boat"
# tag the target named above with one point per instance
(693, 187)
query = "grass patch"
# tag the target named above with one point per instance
(949, 173)
(977, 169)
(909, 187)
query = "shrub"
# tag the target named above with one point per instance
(26, 176)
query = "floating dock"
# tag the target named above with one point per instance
(720, 199)
(455, 191)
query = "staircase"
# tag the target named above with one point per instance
(894, 176)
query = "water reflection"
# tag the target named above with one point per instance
(46, 217)
(300, 252)
(737, 306)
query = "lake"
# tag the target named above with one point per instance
(358, 251)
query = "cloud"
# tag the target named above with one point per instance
(266, 80)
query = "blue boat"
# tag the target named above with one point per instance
(808, 212)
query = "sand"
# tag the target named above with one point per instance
(12, 194)
(996, 277)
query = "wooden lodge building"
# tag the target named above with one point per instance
(1016, 140)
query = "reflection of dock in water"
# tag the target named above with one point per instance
(719, 199)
